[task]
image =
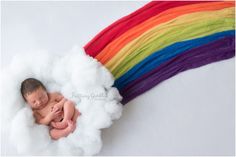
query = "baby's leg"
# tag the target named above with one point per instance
(69, 109)
(58, 133)
(76, 115)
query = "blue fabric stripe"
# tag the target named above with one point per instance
(165, 54)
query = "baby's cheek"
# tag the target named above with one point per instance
(45, 100)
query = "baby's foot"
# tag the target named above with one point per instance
(71, 126)
(59, 125)
(77, 114)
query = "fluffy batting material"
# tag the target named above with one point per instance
(79, 78)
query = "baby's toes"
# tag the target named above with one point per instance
(69, 122)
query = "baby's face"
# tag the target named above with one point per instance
(37, 99)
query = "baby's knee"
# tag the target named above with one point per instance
(69, 103)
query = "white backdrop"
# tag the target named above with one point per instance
(189, 114)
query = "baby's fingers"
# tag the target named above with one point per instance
(56, 108)
(55, 112)
(59, 113)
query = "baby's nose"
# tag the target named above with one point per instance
(38, 102)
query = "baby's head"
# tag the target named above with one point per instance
(34, 93)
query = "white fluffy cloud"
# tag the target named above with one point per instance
(78, 77)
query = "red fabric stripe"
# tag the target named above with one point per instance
(116, 29)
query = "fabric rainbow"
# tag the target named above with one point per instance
(162, 39)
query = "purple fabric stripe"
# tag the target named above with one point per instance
(219, 50)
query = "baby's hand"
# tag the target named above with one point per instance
(55, 108)
(63, 100)
(54, 114)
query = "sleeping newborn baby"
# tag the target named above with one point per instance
(50, 109)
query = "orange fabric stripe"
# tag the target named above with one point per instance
(115, 46)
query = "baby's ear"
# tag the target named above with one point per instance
(24, 98)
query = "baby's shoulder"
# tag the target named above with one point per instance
(37, 115)
(54, 94)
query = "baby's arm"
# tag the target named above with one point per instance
(58, 106)
(58, 96)
(69, 111)
(47, 119)
(41, 120)
(60, 99)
